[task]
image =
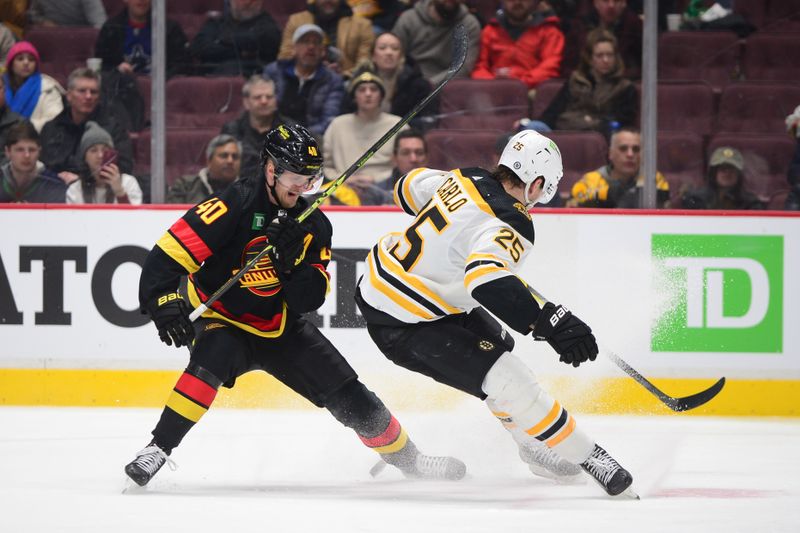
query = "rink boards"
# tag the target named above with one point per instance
(684, 298)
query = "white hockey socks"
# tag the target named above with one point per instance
(528, 412)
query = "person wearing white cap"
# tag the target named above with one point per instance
(307, 92)
(428, 288)
(348, 38)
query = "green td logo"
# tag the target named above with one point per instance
(720, 293)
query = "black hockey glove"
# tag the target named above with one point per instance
(287, 237)
(569, 336)
(171, 316)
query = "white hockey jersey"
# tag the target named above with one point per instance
(467, 232)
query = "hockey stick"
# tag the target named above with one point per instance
(676, 404)
(460, 46)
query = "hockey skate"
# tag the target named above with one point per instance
(544, 462)
(432, 467)
(148, 461)
(426, 467)
(608, 473)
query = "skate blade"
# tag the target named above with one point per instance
(376, 470)
(628, 493)
(575, 479)
(131, 487)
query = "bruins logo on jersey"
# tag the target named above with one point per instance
(522, 209)
(486, 346)
(261, 280)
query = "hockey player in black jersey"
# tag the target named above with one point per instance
(426, 288)
(258, 324)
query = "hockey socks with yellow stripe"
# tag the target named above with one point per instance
(358, 408)
(548, 437)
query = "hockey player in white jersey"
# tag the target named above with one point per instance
(426, 291)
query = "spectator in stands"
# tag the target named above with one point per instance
(7, 117)
(14, 14)
(410, 151)
(724, 188)
(23, 178)
(259, 116)
(7, 40)
(32, 94)
(619, 183)
(348, 38)
(616, 17)
(308, 93)
(67, 13)
(402, 80)
(61, 136)
(520, 43)
(100, 181)
(596, 94)
(426, 31)
(124, 42)
(350, 135)
(382, 13)
(223, 157)
(239, 43)
(793, 127)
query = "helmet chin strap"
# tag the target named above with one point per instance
(528, 202)
(273, 189)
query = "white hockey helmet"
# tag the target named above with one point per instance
(529, 154)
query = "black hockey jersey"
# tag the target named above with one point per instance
(216, 238)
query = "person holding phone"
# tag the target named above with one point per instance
(99, 179)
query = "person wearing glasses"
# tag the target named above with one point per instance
(258, 324)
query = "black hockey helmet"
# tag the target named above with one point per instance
(293, 148)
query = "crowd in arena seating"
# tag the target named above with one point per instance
(78, 75)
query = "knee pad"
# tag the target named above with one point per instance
(359, 408)
(529, 412)
(511, 385)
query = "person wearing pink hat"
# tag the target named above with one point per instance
(34, 95)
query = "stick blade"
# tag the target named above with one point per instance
(460, 48)
(695, 400)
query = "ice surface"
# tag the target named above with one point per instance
(299, 471)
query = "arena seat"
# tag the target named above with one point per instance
(143, 83)
(186, 151)
(484, 9)
(282, 9)
(686, 106)
(712, 57)
(680, 159)
(766, 159)
(756, 106)
(196, 7)
(489, 104)
(777, 201)
(545, 93)
(453, 148)
(190, 23)
(62, 49)
(194, 101)
(113, 7)
(581, 152)
(772, 56)
(782, 9)
(753, 11)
